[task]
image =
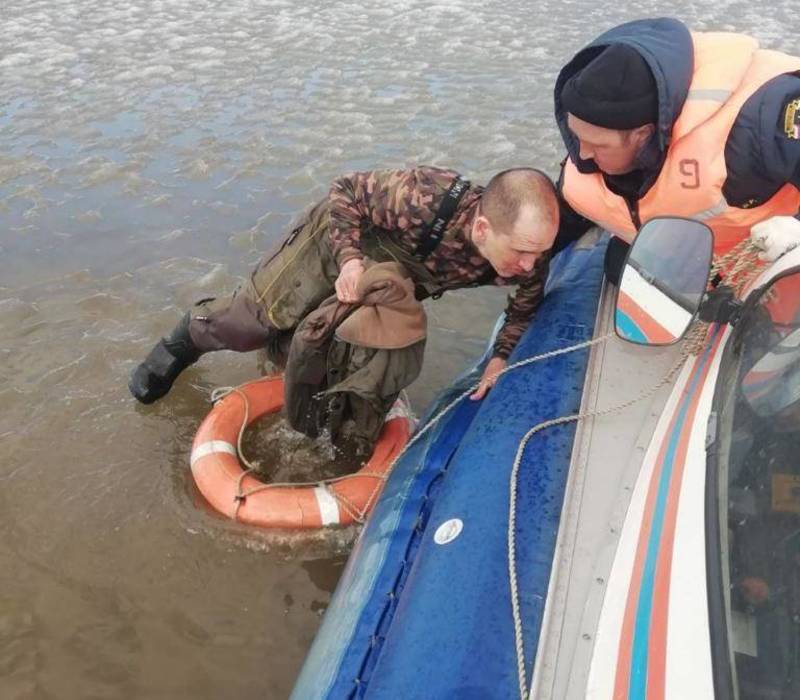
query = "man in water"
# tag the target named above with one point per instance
(659, 121)
(447, 233)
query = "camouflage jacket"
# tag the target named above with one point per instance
(404, 202)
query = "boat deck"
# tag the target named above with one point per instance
(605, 463)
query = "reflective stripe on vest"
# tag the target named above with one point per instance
(729, 68)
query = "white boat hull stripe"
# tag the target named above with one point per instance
(211, 447)
(328, 507)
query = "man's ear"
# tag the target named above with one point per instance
(480, 231)
(642, 133)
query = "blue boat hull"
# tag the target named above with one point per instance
(411, 618)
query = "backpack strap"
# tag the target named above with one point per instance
(434, 232)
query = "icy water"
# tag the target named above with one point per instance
(149, 151)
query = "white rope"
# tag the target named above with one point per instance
(522, 363)
(512, 510)
(241, 496)
(739, 267)
(359, 515)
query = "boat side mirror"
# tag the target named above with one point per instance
(663, 281)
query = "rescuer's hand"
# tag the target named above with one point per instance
(347, 281)
(776, 236)
(493, 368)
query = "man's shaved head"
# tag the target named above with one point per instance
(517, 221)
(510, 191)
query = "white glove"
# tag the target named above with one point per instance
(776, 236)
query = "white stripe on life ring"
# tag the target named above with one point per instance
(211, 447)
(328, 507)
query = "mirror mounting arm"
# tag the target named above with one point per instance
(720, 306)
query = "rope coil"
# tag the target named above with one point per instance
(739, 265)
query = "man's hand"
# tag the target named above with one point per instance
(347, 282)
(493, 368)
(776, 236)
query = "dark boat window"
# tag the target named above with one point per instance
(758, 496)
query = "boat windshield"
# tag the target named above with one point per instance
(757, 489)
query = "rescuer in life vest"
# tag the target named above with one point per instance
(661, 121)
(445, 232)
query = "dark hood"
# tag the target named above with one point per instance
(666, 45)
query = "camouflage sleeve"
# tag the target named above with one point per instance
(521, 307)
(399, 200)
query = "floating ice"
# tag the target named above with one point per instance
(156, 111)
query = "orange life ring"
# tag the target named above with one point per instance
(220, 478)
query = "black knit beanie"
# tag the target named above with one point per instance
(615, 90)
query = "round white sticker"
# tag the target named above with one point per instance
(448, 531)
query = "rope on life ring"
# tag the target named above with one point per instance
(231, 489)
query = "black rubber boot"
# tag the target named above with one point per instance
(154, 377)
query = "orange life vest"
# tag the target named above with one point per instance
(728, 69)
